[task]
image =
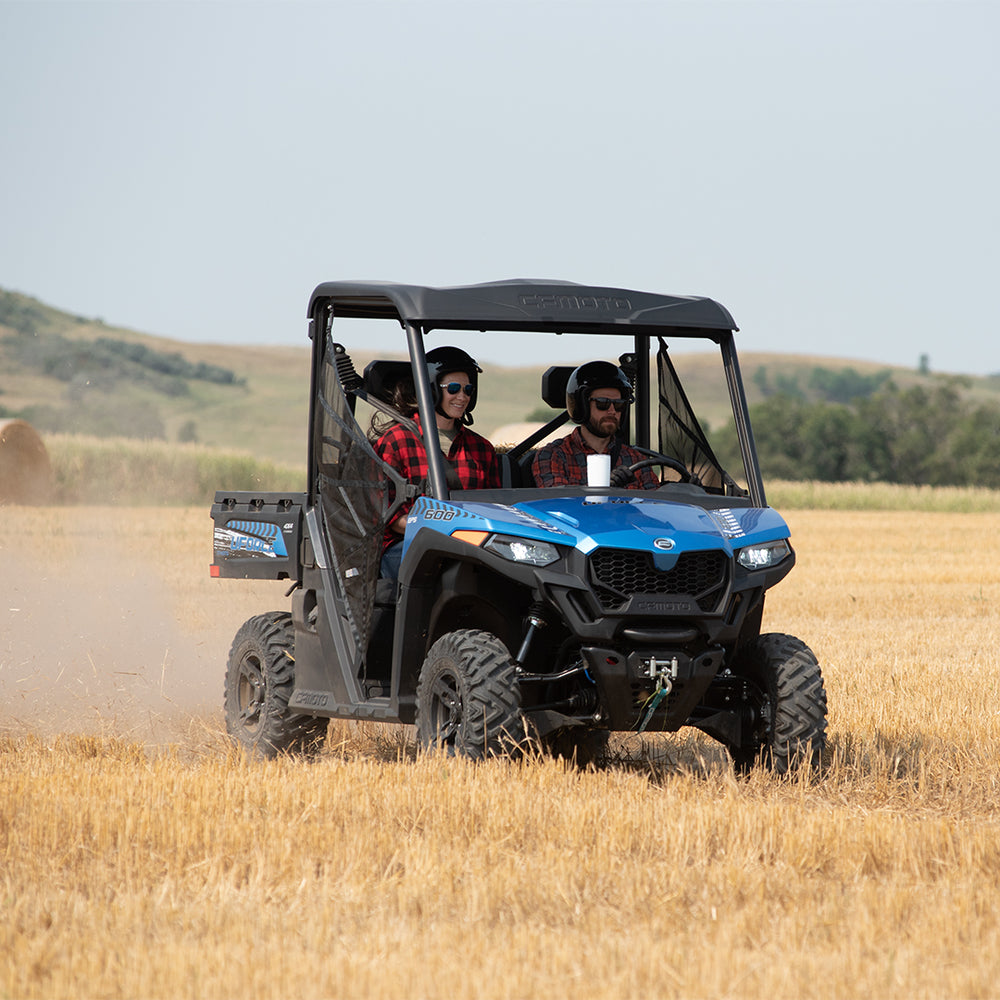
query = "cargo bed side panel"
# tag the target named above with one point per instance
(257, 535)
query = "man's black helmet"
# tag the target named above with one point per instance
(443, 360)
(589, 377)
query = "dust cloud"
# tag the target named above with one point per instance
(109, 630)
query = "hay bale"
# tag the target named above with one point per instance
(511, 434)
(25, 469)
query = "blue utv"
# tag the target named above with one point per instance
(522, 615)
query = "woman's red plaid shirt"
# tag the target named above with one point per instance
(471, 456)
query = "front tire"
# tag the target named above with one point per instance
(468, 701)
(788, 705)
(260, 678)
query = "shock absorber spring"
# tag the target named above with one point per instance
(536, 619)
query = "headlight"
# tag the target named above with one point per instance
(523, 550)
(763, 556)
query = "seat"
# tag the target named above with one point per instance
(515, 470)
(524, 469)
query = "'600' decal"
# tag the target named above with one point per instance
(439, 515)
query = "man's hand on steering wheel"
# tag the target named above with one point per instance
(622, 475)
(625, 473)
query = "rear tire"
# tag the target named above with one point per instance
(260, 678)
(468, 701)
(788, 707)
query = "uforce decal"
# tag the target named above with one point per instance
(575, 303)
(252, 538)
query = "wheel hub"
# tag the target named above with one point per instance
(250, 693)
(447, 707)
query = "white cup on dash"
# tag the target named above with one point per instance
(598, 470)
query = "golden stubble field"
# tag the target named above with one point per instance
(139, 858)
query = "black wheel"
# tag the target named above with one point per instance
(259, 681)
(787, 706)
(468, 701)
(578, 744)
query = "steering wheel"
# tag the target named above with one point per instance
(621, 475)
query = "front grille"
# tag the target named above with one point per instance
(618, 574)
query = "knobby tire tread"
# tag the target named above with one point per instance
(790, 672)
(282, 730)
(491, 712)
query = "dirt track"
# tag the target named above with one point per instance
(111, 623)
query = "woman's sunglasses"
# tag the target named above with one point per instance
(454, 388)
(604, 403)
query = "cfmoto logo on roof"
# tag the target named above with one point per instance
(591, 303)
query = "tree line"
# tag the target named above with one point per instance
(927, 434)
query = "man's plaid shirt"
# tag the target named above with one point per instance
(472, 457)
(564, 463)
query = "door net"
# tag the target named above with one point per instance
(359, 494)
(681, 436)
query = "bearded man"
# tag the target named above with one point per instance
(597, 399)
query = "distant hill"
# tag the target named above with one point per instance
(66, 373)
(72, 374)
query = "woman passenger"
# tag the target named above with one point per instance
(470, 460)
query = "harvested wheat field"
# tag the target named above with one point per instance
(141, 858)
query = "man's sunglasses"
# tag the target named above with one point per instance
(454, 388)
(604, 403)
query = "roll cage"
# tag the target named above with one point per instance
(532, 306)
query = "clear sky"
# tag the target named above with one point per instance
(829, 171)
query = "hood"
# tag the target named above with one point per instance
(659, 526)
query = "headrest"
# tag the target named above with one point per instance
(382, 377)
(554, 385)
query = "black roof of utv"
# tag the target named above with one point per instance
(527, 304)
